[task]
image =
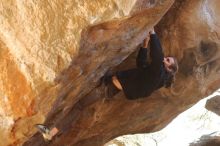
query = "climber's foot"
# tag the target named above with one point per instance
(47, 133)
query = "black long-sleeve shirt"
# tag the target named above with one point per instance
(146, 78)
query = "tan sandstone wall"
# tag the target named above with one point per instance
(53, 53)
(39, 39)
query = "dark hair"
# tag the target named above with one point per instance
(170, 76)
(168, 80)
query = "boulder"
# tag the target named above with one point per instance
(213, 105)
(53, 54)
(207, 140)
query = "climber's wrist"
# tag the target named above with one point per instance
(152, 31)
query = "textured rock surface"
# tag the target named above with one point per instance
(194, 126)
(53, 54)
(207, 140)
(39, 39)
(213, 105)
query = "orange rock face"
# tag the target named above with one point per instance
(16, 89)
(54, 53)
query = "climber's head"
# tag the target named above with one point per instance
(171, 64)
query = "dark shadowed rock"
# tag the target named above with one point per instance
(213, 105)
(207, 140)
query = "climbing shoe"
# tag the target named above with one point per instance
(47, 132)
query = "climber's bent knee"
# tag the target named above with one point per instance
(116, 82)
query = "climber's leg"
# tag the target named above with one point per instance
(112, 85)
(116, 82)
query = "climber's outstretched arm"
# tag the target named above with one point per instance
(141, 60)
(156, 52)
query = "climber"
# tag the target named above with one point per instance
(147, 77)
